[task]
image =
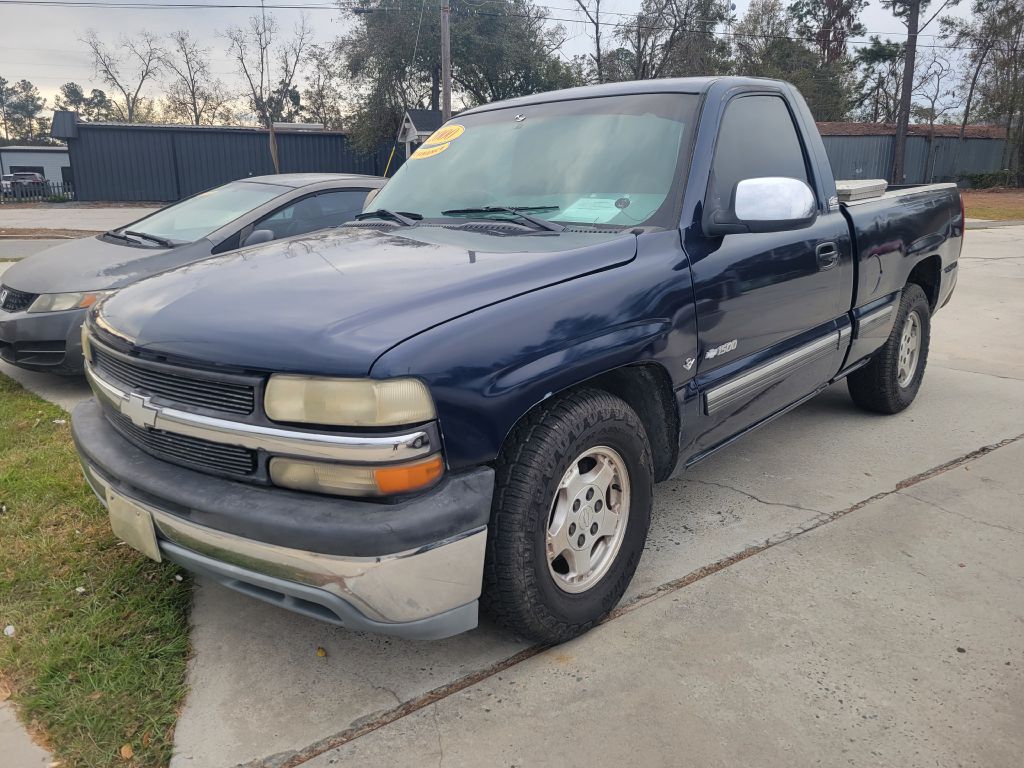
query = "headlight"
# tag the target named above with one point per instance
(347, 402)
(349, 480)
(55, 302)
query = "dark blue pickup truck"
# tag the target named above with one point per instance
(464, 397)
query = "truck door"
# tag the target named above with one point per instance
(770, 306)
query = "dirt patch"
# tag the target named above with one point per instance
(995, 204)
(40, 233)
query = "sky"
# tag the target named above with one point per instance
(42, 44)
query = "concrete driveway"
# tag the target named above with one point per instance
(836, 588)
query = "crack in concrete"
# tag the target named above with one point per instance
(961, 514)
(374, 723)
(440, 746)
(976, 373)
(749, 495)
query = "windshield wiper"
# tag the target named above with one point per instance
(518, 212)
(404, 218)
(118, 236)
(153, 238)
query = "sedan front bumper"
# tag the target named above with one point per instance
(43, 341)
(426, 591)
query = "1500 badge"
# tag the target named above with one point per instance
(729, 346)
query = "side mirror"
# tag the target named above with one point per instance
(369, 198)
(767, 204)
(258, 236)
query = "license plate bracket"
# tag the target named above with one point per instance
(133, 524)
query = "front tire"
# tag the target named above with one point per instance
(889, 383)
(572, 505)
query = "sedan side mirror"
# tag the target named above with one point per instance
(258, 236)
(767, 204)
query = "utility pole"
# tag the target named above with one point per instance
(446, 62)
(903, 114)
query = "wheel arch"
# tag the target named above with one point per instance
(927, 273)
(647, 389)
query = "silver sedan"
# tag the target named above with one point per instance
(44, 298)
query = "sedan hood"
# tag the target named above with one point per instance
(94, 264)
(332, 304)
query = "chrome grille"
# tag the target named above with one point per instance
(182, 386)
(14, 300)
(188, 451)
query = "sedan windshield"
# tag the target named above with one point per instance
(612, 160)
(198, 216)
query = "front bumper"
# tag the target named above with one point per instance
(412, 569)
(43, 341)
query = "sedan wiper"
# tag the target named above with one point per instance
(152, 238)
(404, 218)
(518, 212)
(118, 236)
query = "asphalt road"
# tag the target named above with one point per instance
(802, 600)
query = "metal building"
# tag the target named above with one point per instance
(133, 162)
(864, 151)
(50, 162)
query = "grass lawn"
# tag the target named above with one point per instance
(96, 664)
(995, 204)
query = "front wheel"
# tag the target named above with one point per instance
(571, 510)
(889, 383)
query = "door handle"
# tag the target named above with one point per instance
(828, 255)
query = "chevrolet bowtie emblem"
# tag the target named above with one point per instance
(139, 411)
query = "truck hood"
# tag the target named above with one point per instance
(94, 264)
(332, 303)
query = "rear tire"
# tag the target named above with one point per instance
(572, 505)
(889, 383)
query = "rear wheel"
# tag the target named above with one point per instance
(570, 516)
(889, 383)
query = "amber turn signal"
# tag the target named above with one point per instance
(408, 477)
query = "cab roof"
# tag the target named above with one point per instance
(667, 85)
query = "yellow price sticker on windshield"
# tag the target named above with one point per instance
(445, 134)
(425, 151)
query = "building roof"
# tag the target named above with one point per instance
(425, 119)
(13, 148)
(889, 129)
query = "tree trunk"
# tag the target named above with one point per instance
(967, 112)
(903, 115)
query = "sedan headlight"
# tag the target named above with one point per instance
(56, 302)
(348, 402)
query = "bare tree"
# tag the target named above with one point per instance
(193, 93)
(909, 12)
(137, 61)
(322, 97)
(934, 97)
(269, 70)
(592, 10)
(267, 66)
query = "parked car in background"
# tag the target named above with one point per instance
(464, 398)
(27, 180)
(44, 298)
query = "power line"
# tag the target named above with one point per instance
(346, 5)
(349, 5)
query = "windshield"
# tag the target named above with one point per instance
(208, 211)
(612, 160)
